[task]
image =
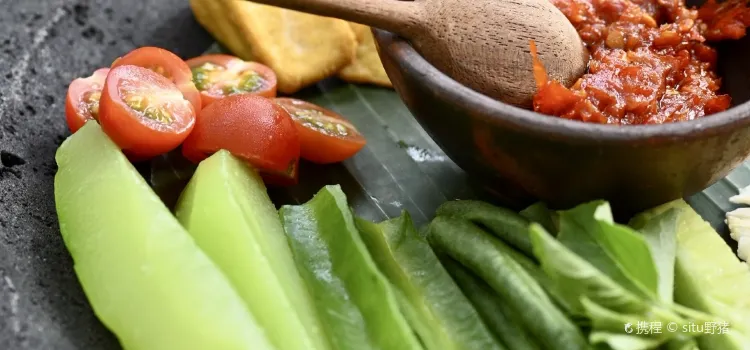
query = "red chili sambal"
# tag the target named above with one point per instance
(649, 63)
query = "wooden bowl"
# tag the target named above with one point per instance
(522, 156)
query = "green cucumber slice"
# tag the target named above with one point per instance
(358, 306)
(226, 209)
(709, 277)
(145, 278)
(443, 317)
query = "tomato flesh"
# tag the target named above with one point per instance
(82, 101)
(325, 136)
(143, 112)
(251, 127)
(290, 177)
(168, 65)
(219, 76)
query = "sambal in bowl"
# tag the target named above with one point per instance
(662, 112)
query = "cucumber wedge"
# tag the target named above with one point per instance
(226, 209)
(145, 278)
(357, 304)
(443, 317)
(709, 277)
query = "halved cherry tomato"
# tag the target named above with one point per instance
(325, 136)
(82, 102)
(218, 76)
(143, 112)
(250, 127)
(287, 178)
(167, 64)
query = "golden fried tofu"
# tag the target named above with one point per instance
(366, 66)
(301, 48)
(211, 14)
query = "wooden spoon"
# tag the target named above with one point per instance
(484, 44)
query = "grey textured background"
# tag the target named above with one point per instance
(44, 44)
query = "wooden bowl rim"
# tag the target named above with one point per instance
(526, 121)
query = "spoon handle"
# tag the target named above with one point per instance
(396, 16)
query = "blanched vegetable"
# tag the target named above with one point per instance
(539, 213)
(145, 278)
(478, 251)
(503, 223)
(227, 211)
(357, 304)
(496, 313)
(709, 277)
(607, 303)
(660, 233)
(442, 316)
(620, 253)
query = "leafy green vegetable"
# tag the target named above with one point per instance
(660, 233)
(539, 213)
(503, 223)
(682, 344)
(442, 316)
(620, 253)
(610, 327)
(496, 313)
(146, 279)
(481, 253)
(358, 305)
(580, 282)
(576, 277)
(226, 210)
(709, 277)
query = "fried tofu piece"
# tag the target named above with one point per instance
(366, 67)
(301, 48)
(211, 16)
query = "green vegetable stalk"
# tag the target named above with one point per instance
(592, 293)
(440, 313)
(358, 305)
(503, 223)
(496, 313)
(478, 251)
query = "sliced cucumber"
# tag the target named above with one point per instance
(145, 278)
(709, 277)
(227, 211)
(357, 304)
(442, 316)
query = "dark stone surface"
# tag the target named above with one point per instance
(44, 44)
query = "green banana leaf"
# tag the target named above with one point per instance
(401, 168)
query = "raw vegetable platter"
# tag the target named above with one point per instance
(389, 249)
(41, 305)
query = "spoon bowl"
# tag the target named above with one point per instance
(484, 44)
